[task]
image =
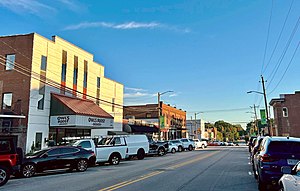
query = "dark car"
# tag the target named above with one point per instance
(10, 158)
(274, 154)
(178, 143)
(254, 151)
(159, 148)
(57, 158)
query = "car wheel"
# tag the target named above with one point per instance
(141, 154)
(190, 148)
(82, 165)
(180, 149)
(28, 170)
(173, 150)
(114, 159)
(161, 151)
(203, 146)
(4, 175)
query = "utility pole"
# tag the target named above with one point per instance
(195, 134)
(266, 105)
(255, 118)
(158, 105)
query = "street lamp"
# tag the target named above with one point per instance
(159, 109)
(196, 124)
(266, 105)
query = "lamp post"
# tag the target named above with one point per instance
(159, 110)
(196, 124)
(266, 105)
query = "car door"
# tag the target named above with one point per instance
(48, 159)
(67, 157)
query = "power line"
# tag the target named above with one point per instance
(286, 69)
(284, 52)
(268, 34)
(279, 37)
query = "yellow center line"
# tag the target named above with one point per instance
(128, 182)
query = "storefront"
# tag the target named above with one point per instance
(74, 118)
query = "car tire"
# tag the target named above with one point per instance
(114, 159)
(82, 165)
(4, 175)
(161, 151)
(173, 150)
(203, 146)
(180, 149)
(141, 154)
(190, 148)
(28, 170)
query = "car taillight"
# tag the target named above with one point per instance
(267, 158)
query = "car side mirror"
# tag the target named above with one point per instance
(286, 170)
(45, 155)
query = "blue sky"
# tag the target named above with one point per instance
(210, 53)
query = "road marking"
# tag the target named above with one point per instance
(157, 172)
(250, 173)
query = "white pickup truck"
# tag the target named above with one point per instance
(200, 144)
(110, 150)
(114, 148)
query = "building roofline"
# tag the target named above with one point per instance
(14, 35)
(276, 100)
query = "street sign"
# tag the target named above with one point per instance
(263, 117)
(162, 121)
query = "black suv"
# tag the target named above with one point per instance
(159, 148)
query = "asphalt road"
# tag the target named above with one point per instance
(214, 168)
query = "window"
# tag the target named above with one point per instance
(53, 152)
(113, 105)
(85, 74)
(285, 112)
(75, 73)
(148, 115)
(63, 72)
(85, 144)
(10, 61)
(68, 150)
(41, 103)
(6, 101)
(38, 141)
(98, 82)
(44, 63)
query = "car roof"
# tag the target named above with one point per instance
(292, 139)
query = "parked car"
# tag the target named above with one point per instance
(108, 149)
(290, 181)
(10, 159)
(250, 143)
(188, 144)
(178, 143)
(159, 148)
(57, 158)
(172, 147)
(200, 144)
(254, 151)
(274, 154)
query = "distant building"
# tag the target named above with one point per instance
(195, 129)
(173, 120)
(52, 89)
(286, 115)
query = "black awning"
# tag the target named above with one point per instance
(117, 133)
(140, 129)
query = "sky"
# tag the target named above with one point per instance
(210, 53)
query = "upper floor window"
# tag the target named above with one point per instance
(285, 112)
(85, 74)
(98, 82)
(10, 61)
(6, 101)
(75, 74)
(64, 66)
(44, 63)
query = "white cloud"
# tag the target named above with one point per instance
(31, 6)
(127, 26)
(134, 89)
(135, 95)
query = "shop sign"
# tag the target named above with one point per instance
(80, 120)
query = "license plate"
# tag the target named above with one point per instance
(292, 161)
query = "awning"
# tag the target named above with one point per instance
(69, 112)
(117, 133)
(140, 129)
(77, 106)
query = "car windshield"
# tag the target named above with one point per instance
(105, 141)
(284, 147)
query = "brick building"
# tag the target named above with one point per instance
(173, 120)
(286, 115)
(52, 89)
